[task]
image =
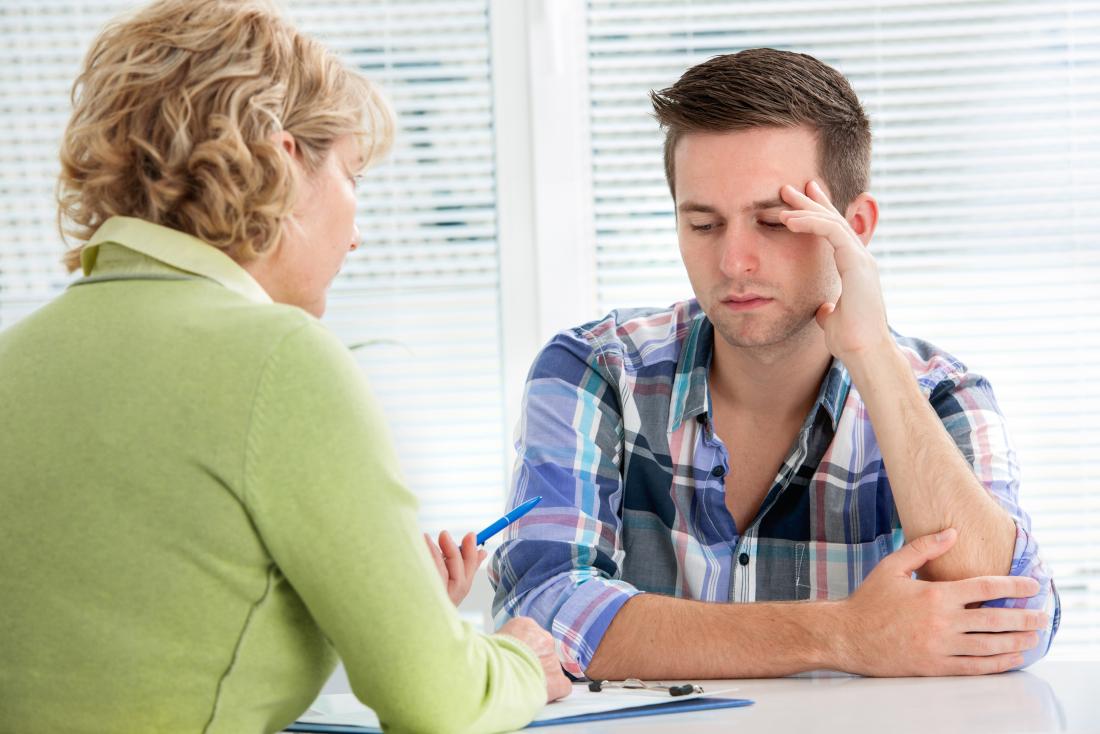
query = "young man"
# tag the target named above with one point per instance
(771, 441)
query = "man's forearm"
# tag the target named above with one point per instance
(660, 637)
(933, 485)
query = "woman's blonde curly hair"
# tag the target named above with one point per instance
(175, 114)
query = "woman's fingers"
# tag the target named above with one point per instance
(471, 555)
(437, 557)
(452, 556)
(457, 564)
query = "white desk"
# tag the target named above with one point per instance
(1048, 697)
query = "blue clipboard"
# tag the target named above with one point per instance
(653, 709)
(334, 728)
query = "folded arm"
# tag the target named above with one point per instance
(943, 440)
(562, 566)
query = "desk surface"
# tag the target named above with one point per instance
(1048, 697)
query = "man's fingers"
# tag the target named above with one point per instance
(992, 619)
(983, 664)
(920, 551)
(815, 192)
(831, 227)
(847, 249)
(799, 199)
(987, 588)
(998, 643)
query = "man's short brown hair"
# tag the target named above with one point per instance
(764, 87)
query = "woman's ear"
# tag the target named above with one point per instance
(862, 216)
(286, 141)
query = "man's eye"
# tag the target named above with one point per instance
(702, 227)
(771, 225)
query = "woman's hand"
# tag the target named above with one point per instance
(456, 565)
(527, 631)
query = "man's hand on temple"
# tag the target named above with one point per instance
(856, 323)
(933, 484)
(895, 625)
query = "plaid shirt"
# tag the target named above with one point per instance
(617, 438)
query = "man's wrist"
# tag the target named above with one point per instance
(832, 649)
(868, 366)
(825, 635)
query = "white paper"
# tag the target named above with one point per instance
(345, 708)
(583, 701)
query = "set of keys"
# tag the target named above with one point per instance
(635, 684)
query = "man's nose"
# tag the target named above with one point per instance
(740, 251)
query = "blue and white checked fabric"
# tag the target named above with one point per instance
(616, 437)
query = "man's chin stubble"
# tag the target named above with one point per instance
(787, 333)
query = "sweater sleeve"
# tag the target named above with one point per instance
(322, 485)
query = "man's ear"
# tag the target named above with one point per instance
(862, 215)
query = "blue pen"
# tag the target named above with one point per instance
(507, 520)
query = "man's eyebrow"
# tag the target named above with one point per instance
(773, 203)
(694, 206)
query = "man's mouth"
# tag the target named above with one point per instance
(745, 301)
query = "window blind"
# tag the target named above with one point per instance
(424, 285)
(986, 124)
(421, 293)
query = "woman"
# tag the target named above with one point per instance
(200, 504)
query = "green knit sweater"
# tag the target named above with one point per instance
(200, 508)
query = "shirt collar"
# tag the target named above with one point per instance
(834, 391)
(691, 396)
(173, 248)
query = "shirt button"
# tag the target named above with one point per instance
(743, 559)
(718, 471)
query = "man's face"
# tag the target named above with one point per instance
(759, 283)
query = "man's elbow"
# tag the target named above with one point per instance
(976, 553)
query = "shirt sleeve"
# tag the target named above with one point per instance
(969, 411)
(561, 563)
(322, 487)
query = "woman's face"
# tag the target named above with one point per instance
(319, 234)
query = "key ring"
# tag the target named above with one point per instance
(685, 689)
